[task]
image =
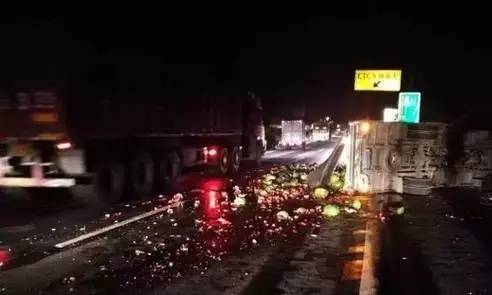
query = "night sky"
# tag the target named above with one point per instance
(291, 58)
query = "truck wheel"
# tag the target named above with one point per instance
(393, 160)
(170, 168)
(109, 180)
(223, 161)
(142, 174)
(234, 160)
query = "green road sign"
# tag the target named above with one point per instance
(409, 107)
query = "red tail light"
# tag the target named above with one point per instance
(4, 256)
(210, 151)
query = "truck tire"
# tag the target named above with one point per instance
(141, 175)
(393, 160)
(169, 169)
(109, 180)
(234, 160)
(223, 161)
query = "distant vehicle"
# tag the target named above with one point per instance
(127, 145)
(320, 132)
(293, 134)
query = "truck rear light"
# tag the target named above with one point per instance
(210, 151)
(4, 256)
(64, 145)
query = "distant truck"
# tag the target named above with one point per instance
(293, 134)
(127, 144)
(320, 131)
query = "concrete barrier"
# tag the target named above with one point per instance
(323, 172)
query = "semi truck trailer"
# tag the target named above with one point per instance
(293, 135)
(126, 144)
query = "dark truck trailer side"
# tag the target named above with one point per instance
(127, 144)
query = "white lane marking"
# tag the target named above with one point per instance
(110, 227)
(368, 283)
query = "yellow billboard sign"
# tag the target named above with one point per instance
(377, 80)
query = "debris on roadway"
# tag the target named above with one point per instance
(204, 226)
(272, 207)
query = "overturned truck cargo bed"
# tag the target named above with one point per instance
(395, 157)
(474, 168)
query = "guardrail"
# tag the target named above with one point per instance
(319, 176)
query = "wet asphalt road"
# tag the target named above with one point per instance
(440, 245)
(202, 245)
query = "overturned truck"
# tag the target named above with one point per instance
(395, 157)
(474, 167)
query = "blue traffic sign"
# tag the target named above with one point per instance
(409, 107)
